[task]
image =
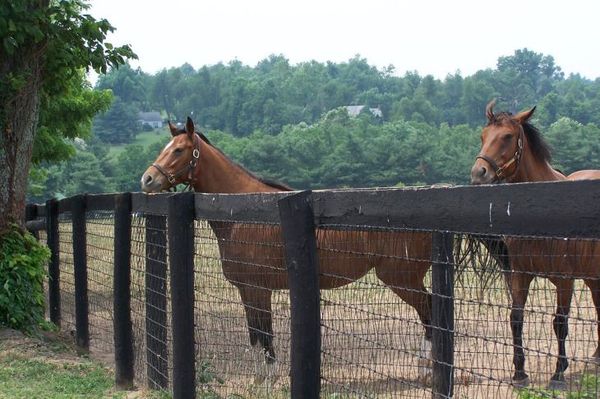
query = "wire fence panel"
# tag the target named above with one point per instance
(67, 273)
(242, 314)
(150, 304)
(100, 260)
(373, 340)
(519, 294)
(516, 317)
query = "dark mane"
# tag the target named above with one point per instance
(268, 182)
(540, 148)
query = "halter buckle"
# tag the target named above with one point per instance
(196, 153)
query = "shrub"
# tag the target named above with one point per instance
(22, 271)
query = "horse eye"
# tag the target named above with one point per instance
(507, 137)
(178, 151)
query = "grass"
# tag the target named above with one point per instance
(48, 367)
(588, 388)
(143, 138)
(21, 377)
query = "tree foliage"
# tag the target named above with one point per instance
(45, 46)
(288, 121)
(240, 99)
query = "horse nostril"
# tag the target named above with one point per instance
(148, 180)
(483, 171)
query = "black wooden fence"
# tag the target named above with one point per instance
(162, 303)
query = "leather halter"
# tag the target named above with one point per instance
(500, 171)
(190, 168)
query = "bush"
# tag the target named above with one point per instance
(22, 271)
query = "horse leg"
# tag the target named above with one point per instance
(594, 286)
(564, 293)
(408, 285)
(519, 289)
(257, 305)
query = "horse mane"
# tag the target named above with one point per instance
(539, 147)
(268, 182)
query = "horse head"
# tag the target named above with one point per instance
(176, 163)
(502, 146)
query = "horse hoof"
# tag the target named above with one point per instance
(522, 383)
(557, 385)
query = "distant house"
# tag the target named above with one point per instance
(152, 119)
(355, 110)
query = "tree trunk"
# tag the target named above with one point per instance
(18, 127)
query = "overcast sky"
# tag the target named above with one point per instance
(431, 37)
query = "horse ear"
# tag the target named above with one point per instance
(189, 127)
(172, 128)
(489, 111)
(524, 116)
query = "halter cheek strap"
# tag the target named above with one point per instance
(500, 171)
(190, 168)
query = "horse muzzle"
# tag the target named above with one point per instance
(482, 174)
(150, 183)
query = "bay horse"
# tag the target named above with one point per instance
(256, 270)
(513, 150)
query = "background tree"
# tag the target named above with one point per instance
(44, 46)
(119, 124)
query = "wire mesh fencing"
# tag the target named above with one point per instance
(517, 314)
(241, 310)
(376, 311)
(150, 305)
(511, 324)
(100, 259)
(67, 274)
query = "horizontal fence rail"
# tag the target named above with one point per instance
(420, 292)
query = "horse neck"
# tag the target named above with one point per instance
(215, 173)
(531, 169)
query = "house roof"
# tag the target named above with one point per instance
(354, 110)
(152, 116)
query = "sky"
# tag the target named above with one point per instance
(430, 37)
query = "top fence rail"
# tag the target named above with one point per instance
(561, 209)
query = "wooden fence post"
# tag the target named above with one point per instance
(54, 264)
(123, 330)
(181, 259)
(82, 335)
(442, 320)
(297, 224)
(156, 302)
(31, 214)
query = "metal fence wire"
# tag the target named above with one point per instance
(241, 314)
(538, 296)
(524, 309)
(100, 258)
(375, 318)
(150, 304)
(67, 273)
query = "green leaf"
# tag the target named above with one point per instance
(10, 44)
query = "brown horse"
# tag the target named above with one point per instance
(255, 270)
(513, 150)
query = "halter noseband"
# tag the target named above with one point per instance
(190, 168)
(500, 171)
